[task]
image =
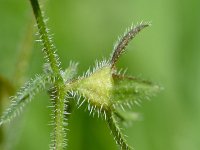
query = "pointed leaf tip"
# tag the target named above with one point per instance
(120, 45)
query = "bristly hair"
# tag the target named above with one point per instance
(25, 95)
(98, 65)
(120, 46)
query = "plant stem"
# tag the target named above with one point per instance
(58, 93)
(49, 48)
(118, 136)
(59, 134)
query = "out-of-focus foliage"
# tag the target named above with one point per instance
(168, 52)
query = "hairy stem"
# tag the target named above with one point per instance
(118, 136)
(59, 118)
(58, 93)
(49, 48)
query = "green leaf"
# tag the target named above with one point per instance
(24, 96)
(120, 46)
(128, 91)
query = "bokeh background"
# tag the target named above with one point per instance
(167, 53)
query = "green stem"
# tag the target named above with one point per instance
(59, 134)
(49, 48)
(118, 136)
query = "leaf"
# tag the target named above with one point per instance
(24, 96)
(130, 90)
(121, 44)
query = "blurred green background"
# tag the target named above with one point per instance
(167, 53)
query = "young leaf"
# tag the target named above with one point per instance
(120, 45)
(24, 96)
(130, 90)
